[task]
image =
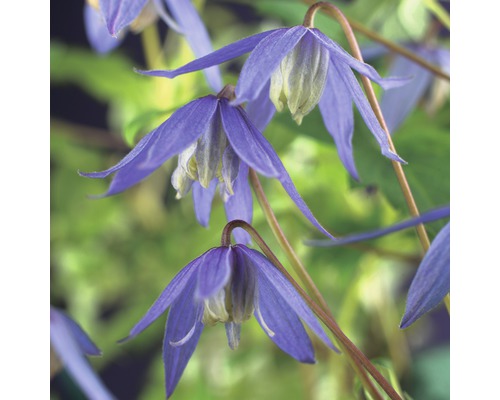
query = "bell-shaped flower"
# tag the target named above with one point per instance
(228, 285)
(217, 144)
(71, 344)
(107, 21)
(300, 67)
(432, 280)
(397, 104)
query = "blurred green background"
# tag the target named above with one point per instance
(111, 258)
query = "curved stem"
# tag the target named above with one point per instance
(357, 26)
(306, 279)
(324, 316)
(372, 98)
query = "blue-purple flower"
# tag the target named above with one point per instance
(107, 21)
(300, 67)
(432, 280)
(71, 344)
(397, 104)
(217, 144)
(228, 285)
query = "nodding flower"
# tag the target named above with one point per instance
(217, 143)
(228, 284)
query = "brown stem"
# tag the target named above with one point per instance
(302, 272)
(357, 26)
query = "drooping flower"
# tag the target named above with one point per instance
(397, 104)
(107, 21)
(71, 344)
(300, 67)
(432, 280)
(217, 144)
(228, 285)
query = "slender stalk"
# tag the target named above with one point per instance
(301, 271)
(324, 316)
(357, 26)
(151, 44)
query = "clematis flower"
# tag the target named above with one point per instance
(228, 285)
(107, 21)
(71, 344)
(397, 104)
(432, 280)
(300, 67)
(217, 144)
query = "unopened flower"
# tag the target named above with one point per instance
(432, 280)
(71, 344)
(217, 144)
(300, 67)
(228, 285)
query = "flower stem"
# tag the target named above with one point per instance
(301, 271)
(359, 360)
(151, 44)
(357, 26)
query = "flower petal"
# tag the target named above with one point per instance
(247, 141)
(69, 351)
(224, 54)
(264, 59)
(366, 111)
(120, 13)
(174, 289)
(267, 271)
(86, 345)
(397, 104)
(343, 57)
(97, 32)
(183, 326)
(432, 280)
(202, 200)
(240, 204)
(261, 110)
(429, 216)
(336, 109)
(170, 138)
(214, 272)
(197, 36)
(257, 152)
(279, 321)
(233, 331)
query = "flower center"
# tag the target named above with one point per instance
(233, 303)
(299, 80)
(208, 158)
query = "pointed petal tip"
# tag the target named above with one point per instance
(393, 156)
